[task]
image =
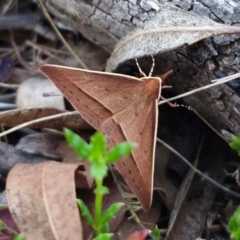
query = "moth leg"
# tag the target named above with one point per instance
(166, 86)
(169, 103)
(174, 104)
(164, 77)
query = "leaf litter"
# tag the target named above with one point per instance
(42, 192)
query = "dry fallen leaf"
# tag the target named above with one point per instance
(168, 30)
(30, 94)
(6, 68)
(20, 116)
(43, 145)
(94, 57)
(11, 155)
(42, 200)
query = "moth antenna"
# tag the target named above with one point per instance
(152, 68)
(140, 70)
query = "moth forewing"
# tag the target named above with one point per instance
(124, 108)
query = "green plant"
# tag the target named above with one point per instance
(10, 232)
(156, 232)
(235, 144)
(1, 225)
(97, 155)
(234, 223)
(19, 237)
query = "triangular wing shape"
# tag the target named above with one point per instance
(137, 168)
(124, 108)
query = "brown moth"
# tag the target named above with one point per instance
(123, 108)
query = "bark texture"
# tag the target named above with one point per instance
(105, 22)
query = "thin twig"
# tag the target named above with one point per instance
(46, 51)
(208, 124)
(45, 48)
(9, 231)
(9, 86)
(218, 82)
(60, 35)
(186, 187)
(198, 171)
(37, 121)
(212, 228)
(19, 21)
(203, 119)
(2, 130)
(51, 94)
(20, 59)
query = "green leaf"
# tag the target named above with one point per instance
(156, 232)
(236, 139)
(85, 211)
(81, 147)
(111, 212)
(119, 151)
(19, 237)
(98, 170)
(104, 236)
(102, 190)
(235, 144)
(1, 225)
(105, 228)
(99, 144)
(234, 224)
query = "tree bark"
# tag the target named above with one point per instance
(106, 22)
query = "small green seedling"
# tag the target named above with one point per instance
(3, 229)
(97, 155)
(156, 233)
(1, 225)
(234, 223)
(235, 144)
(19, 237)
